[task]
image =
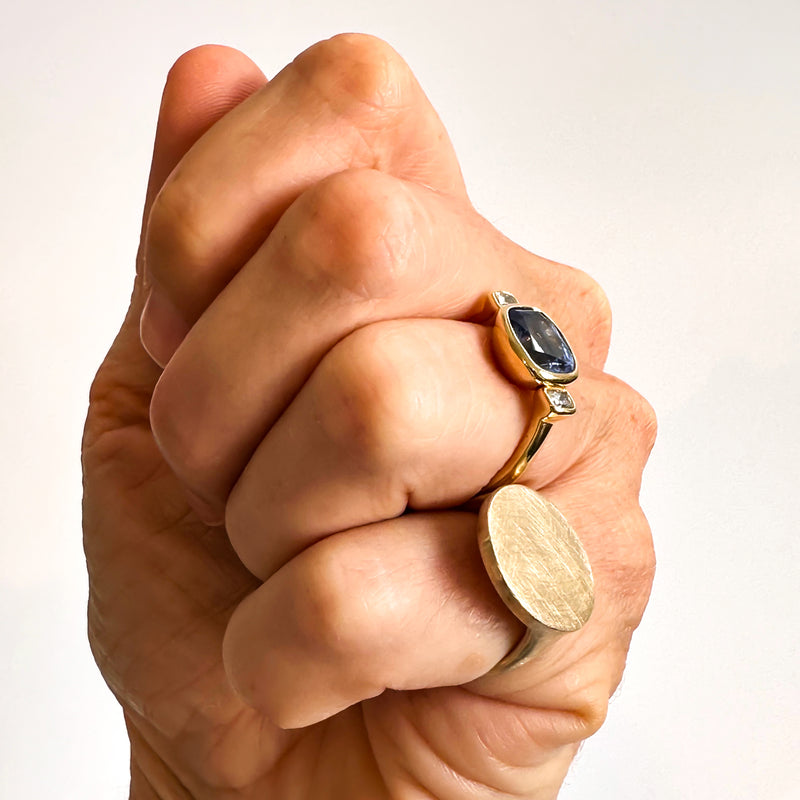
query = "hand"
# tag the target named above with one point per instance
(314, 281)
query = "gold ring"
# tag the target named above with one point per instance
(537, 565)
(532, 352)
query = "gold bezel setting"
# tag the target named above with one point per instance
(550, 400)
(515, 358)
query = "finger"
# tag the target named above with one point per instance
(406, 604)
(347, 102)
(202, 86)
(599, 496)
(578, 673)
(405, 414)
(355, 249)
(527, 716)
(399, 605)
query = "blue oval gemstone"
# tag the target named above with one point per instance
(542, 340)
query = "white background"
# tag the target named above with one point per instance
(654, 144)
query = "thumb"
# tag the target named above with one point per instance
(202, 86)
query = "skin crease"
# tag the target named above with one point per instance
(355, 669)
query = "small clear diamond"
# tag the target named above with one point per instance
(505, 299)
(560, 400)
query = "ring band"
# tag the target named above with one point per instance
(537, 565)
(532, 352)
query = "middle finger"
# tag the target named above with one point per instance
(404, 414)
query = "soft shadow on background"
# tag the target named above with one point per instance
(654, 144)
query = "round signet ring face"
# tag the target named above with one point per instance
(537, 565)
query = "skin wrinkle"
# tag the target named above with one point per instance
(502, 767)
(119, 640)
(140, 741)
(415, 166)
(356, 69)
(432, 611)
(516, 715)
(106, 401)
(219, 744)
(175, 688)
(503, 764)
(479, 419)
(144, 656)
(332, 247)
(177, 638)
(213, 608)
(463, 781)
(411, 776)
(552, 718)
(477, 422)
(387, 118)
(398, 246)
(375, 761)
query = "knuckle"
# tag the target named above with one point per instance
(595, 311)
(354, 236)
(635, 569)
(332, 615)
(626, 569)
(639, 418)
(629, 420)
(590, 711)
(370, 403)
(582, 689)
(176, 240)
(357, 75)
(644, 420)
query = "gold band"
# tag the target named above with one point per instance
(520, 353)
(543, 415)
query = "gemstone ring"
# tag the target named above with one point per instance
(532, 352)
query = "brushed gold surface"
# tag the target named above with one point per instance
(535, 560)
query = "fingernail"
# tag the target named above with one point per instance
(207, 513)
(162, 327)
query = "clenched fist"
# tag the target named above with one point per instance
(286, 592)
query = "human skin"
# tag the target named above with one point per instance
(272, 622)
